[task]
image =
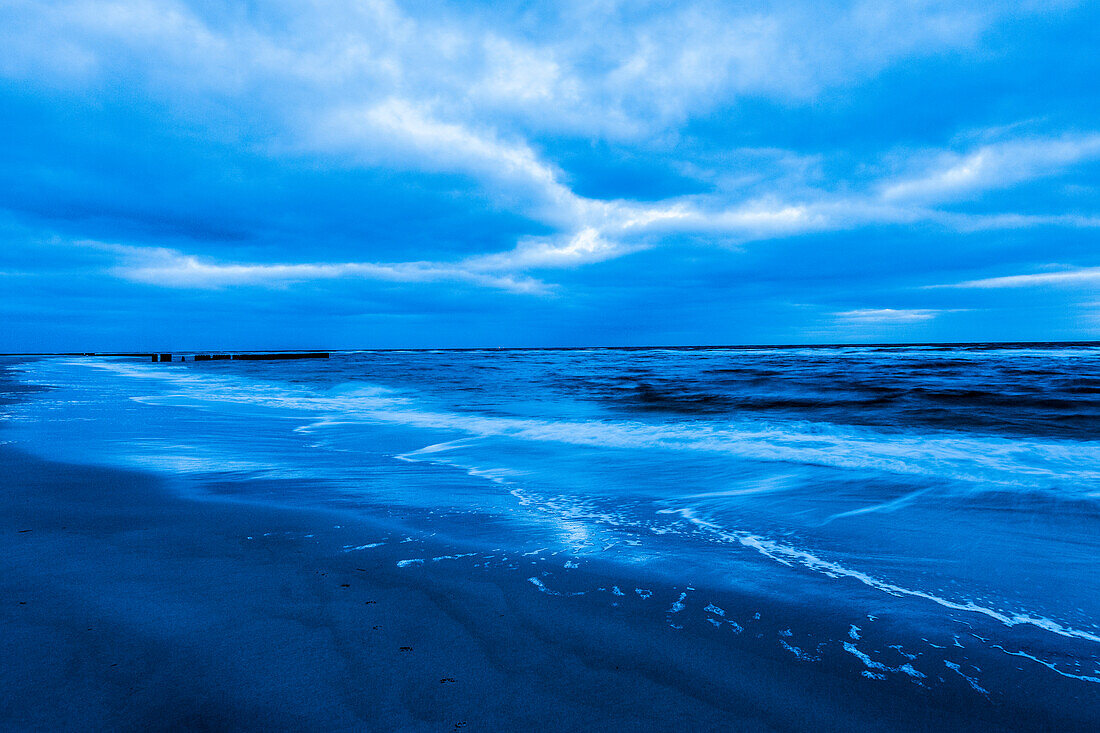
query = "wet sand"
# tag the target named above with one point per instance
(126, 606)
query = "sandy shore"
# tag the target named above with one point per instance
(125, 606)
(128, 604)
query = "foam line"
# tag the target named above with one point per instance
(349, 548)
(970, 680)
(985, 460)
(879, 666)
(1048, 665)
(789, 556)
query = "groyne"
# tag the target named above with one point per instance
(250, 356)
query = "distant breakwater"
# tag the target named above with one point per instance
(242, 357)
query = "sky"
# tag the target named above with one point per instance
(373, 174)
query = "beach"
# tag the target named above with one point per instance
(130, 604)
(126, 608)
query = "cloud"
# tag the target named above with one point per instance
(585, 247)
(596, 230)
(400, 132)
(993, 166)
(610, 69)
(169, 268)
(884, 316)
(655, 67)
(521, 147)
(1075, 277)
(377, 85)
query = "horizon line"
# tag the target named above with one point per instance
(684, 347)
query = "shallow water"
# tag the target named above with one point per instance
(935, 509)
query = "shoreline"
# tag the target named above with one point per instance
(126, 604)
(225, 353)
(127, 607)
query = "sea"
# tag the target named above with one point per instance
(918, 516)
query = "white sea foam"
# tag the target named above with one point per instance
(876, 666)
(791, 556)
(972, 681)
(350, 548)
(990, 460)
(902, 652)
(887, 506)
(544, 589)
(434, 448)
(798, 653)
(540, 585)
(453, 557)
(1051, 667)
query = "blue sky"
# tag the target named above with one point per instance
(364, 173)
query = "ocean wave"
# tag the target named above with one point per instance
(988, 462)
(567, 510)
